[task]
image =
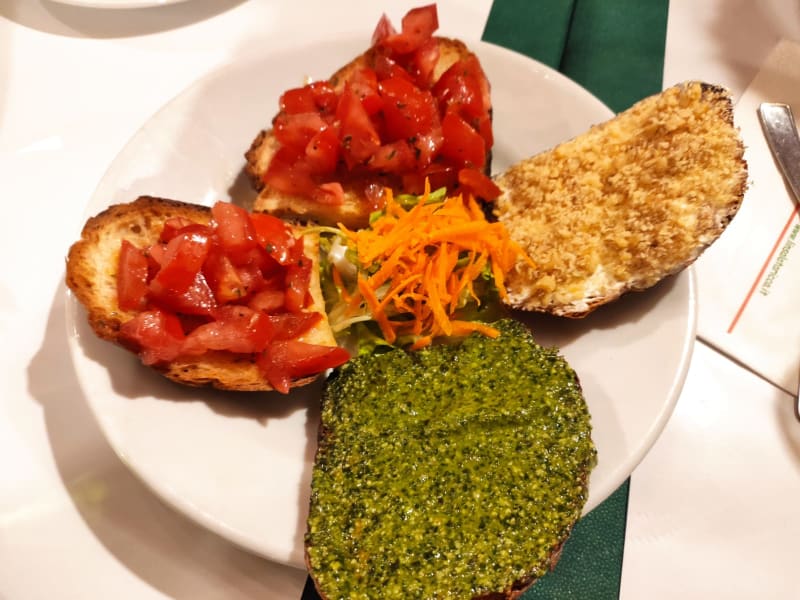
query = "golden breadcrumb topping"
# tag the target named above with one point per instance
(626, 203)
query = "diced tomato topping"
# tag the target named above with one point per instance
(131, 277)
(238, 284)
(385, 118)
(286, 360)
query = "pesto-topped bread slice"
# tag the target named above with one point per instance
(457, 471)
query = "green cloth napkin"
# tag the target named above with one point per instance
(615, 49)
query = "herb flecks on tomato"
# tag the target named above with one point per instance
(389, 119)
(237, 284)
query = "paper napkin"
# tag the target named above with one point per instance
(749, 280)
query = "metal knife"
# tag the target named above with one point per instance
(784, 142)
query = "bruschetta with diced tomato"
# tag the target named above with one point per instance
(207, 296)
(412, 107)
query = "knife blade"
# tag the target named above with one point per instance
(781, 134)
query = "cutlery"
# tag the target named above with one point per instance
(784, 142)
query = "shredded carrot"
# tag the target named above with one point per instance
(417, 264)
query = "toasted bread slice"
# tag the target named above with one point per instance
(355, 210)
(91, 275)
(625, 204)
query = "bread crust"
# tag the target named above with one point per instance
(355, 209)
(626, 204)
(91, 276)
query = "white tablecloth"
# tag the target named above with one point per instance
(712, 508)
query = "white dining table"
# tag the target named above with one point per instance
(714, 510)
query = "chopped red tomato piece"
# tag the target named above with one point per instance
(196, 299)
(286, 360)
(418, 26)
(357, 133)
(383, 29)
(288, 326)
(268, 300)
(236, 329)
(407, 110)
(318, 96)
(157, 336)
(329, 193)
(132, 275)
(298, 277)
(322, 151)
(386, 68)
(395, 157)
(364, 83)
(222, 276)
(461, 88)
(274, 236)
(297, 130)
(462, 144)
(423, 63)
(173, 226)
(438, 174)
(290, 173)
(183, 257)
(234, 229)
(478, 184)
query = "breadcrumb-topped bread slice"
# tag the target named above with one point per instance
(625, 204)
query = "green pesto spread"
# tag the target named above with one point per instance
(449, 472)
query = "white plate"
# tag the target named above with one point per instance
(118, 3)
(240, 464)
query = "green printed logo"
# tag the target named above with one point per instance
(779, 262)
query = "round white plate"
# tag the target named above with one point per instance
(240, 464)
(118, 3)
